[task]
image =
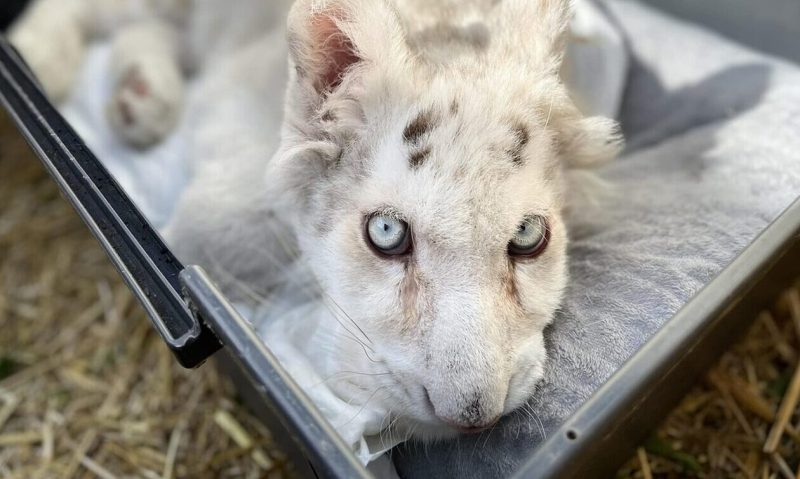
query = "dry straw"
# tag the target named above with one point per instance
(86, 387)
(743, 421)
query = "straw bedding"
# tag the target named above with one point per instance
(743, 420)
(86, 387)
(88, 390)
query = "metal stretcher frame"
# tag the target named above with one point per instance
(195, 320)
(189, 313)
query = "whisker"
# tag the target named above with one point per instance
(491, 430)
(549, 112)
(339, 374)
(351, 320)
(330, 298)
(531, 412)
(363, 346)
(388, 430)
(363, 406)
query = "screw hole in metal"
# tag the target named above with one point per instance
(572, 435)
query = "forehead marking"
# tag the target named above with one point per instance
(418, 127)
(328, 116)
(521, 139)
(418, 156)
(454, 107)
(413, 134)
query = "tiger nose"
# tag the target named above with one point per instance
(469, 419)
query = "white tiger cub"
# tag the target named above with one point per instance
(422, 173)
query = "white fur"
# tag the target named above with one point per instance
(450, 337)
(472, 348)
(148, 97)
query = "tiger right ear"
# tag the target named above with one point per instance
(588, 142)
(328, 39)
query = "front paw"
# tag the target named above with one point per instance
(146, 103)
(54, 54)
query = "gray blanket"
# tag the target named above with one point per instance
(713, 157)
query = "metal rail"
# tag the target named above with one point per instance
(159, 280)
(138, 252)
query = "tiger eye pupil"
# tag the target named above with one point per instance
(387, 234)
(530, 238)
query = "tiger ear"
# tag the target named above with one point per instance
(328, 39)
(333, 45)
(588, 142)
(532, 32)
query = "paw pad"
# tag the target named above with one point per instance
(145, 105)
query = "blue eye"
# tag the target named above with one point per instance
(388, 234)
(531, 237)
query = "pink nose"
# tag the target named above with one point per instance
(470, 421)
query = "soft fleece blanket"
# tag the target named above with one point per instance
(713, 157)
